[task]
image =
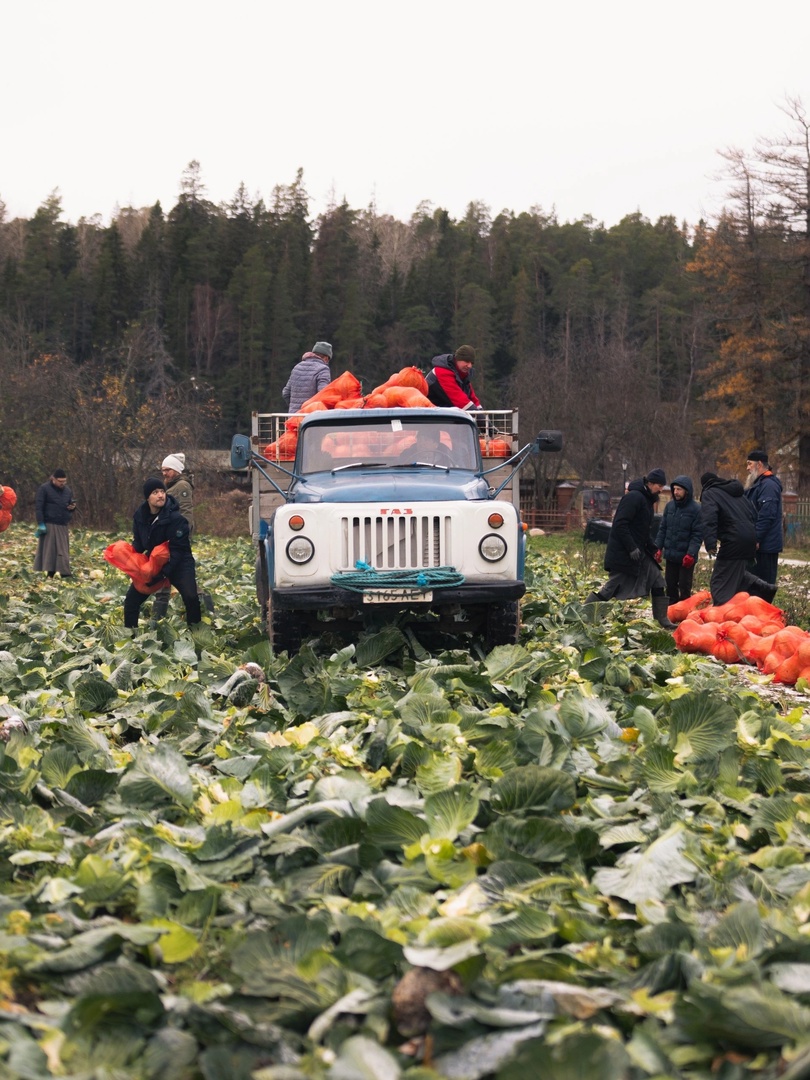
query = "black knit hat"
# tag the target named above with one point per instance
(465, 352)
(656, 476)
(152, 484)
(758, 455)
(707, 476)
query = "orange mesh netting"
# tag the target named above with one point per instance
(406, 397)
(407, 376)
(138, 566)
(339, 389)
(747, 630)
(678, 612)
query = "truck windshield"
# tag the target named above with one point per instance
(324, 447)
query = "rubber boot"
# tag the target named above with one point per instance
(659, 606)
(764, 589)
(594, 598)
(160, 605)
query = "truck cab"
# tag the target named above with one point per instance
(388, 513)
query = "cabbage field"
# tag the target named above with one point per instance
(584, 856)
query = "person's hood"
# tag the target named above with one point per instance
(731, 487)
(444, 360)
(315, 356)
(183, 478)
(686, 483)
(639, 485)
(770, 476)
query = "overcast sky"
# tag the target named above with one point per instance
(582, 106)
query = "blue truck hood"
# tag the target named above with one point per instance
(372, 485)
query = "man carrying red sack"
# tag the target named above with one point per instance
(158, 520)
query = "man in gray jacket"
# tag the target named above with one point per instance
(309, 375)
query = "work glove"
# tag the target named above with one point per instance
(635, 555)
(688, 560)
(41, 530)
(157, 579)
(659, 556)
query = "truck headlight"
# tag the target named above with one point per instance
(300, 549)
(492, 547)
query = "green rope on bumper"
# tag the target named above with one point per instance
(366, 577)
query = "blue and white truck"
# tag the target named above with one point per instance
(389, 514)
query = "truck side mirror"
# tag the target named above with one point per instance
(548, 440)
(240, 452)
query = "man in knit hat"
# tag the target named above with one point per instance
(630, 556)
(764, 491)
(179, 486)
(310, 375)
(449, 384)
(158, 520)
(729, 532)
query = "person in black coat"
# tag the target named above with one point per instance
(54, 508)
(678, 539)
(764, 491)
(157, 520)
(630, 556)
(729, 532)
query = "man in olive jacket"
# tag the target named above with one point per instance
(180, 488)
(729, 520)
(630, 556)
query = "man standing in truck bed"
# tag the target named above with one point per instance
(449, 383)
(309, 376)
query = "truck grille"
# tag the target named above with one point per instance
(409, 542)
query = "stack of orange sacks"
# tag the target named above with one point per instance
(8, 500)
(407, 389)
(747, 629)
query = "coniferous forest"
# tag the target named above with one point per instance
(680, 344)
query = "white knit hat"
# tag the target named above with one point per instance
(175, 461)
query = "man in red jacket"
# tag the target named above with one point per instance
(449, 383)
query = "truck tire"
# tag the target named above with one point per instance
(262, 592)
(286, 630)
(503, 624)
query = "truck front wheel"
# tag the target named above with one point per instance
(286, 630)
(503, 624)
(262, 590)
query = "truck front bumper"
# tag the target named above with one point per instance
(321, 597)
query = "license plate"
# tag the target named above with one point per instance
(396, 596)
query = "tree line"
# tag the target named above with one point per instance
(648, 343)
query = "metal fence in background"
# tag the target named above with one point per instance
(796, 520)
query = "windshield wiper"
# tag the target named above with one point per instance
(361, 465)
(424, 464)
